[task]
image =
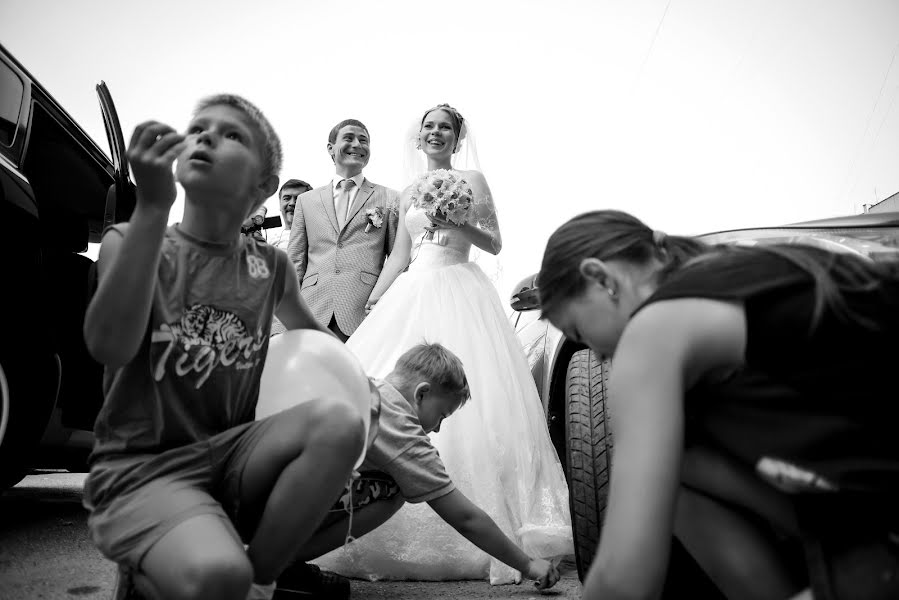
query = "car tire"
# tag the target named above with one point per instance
(588, 446)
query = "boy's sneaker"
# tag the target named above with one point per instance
(309, 582)
(124, 585)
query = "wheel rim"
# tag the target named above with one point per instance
(4, 404)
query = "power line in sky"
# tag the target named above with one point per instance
(873, 143)
(652, 44)
(852, 164)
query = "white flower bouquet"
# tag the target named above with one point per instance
(443, 194)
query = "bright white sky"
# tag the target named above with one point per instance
(694, 115)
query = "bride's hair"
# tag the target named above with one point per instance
(455, 117)
(465, 154)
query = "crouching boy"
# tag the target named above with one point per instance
(187, 493)
(427, 385)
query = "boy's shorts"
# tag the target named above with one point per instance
(135, 500)
(369, 487)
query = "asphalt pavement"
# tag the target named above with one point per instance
(46, 553)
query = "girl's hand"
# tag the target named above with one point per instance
(543, 572)
(151, 153)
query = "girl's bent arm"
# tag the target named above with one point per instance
(117, 316)
(664, 350)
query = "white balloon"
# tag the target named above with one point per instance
(303, 364)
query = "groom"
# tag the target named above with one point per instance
(341, 234)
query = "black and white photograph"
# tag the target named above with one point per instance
(583, 299)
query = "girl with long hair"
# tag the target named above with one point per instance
(753, 408)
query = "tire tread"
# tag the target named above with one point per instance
(588, 445)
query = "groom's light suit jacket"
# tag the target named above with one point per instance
(338, 267)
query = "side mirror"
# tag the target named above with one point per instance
(525, 295)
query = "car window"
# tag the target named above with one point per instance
(69, 179)
(11, 90)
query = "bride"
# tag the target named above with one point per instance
(497, 448)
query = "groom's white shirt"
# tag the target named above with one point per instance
(358, 179)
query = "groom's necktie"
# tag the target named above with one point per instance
(343, 200)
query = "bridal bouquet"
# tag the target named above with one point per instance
(443, 194)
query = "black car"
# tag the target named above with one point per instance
(59, 190)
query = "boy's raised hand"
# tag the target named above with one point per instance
(151, 152)
(544, 574)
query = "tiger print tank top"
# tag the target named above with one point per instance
(198, 368)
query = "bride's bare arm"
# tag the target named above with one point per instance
(399, 256)
(483, 227)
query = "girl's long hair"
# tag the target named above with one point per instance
(606, 235)
(616, 235)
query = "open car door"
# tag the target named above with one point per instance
(81, 396)
(122, 197)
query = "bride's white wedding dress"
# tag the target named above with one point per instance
(496, 448)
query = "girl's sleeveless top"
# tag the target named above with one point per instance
(824, 398)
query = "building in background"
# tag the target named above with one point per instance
(890, 204)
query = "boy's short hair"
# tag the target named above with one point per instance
(332, 137)
(271, 144)
(436, 365)
(294, 183)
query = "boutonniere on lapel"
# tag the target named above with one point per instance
(375, 218)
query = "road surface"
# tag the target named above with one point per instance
(45, 553)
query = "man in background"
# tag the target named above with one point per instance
(287, 199)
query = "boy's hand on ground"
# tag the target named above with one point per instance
(153, 148)
(543, 572)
